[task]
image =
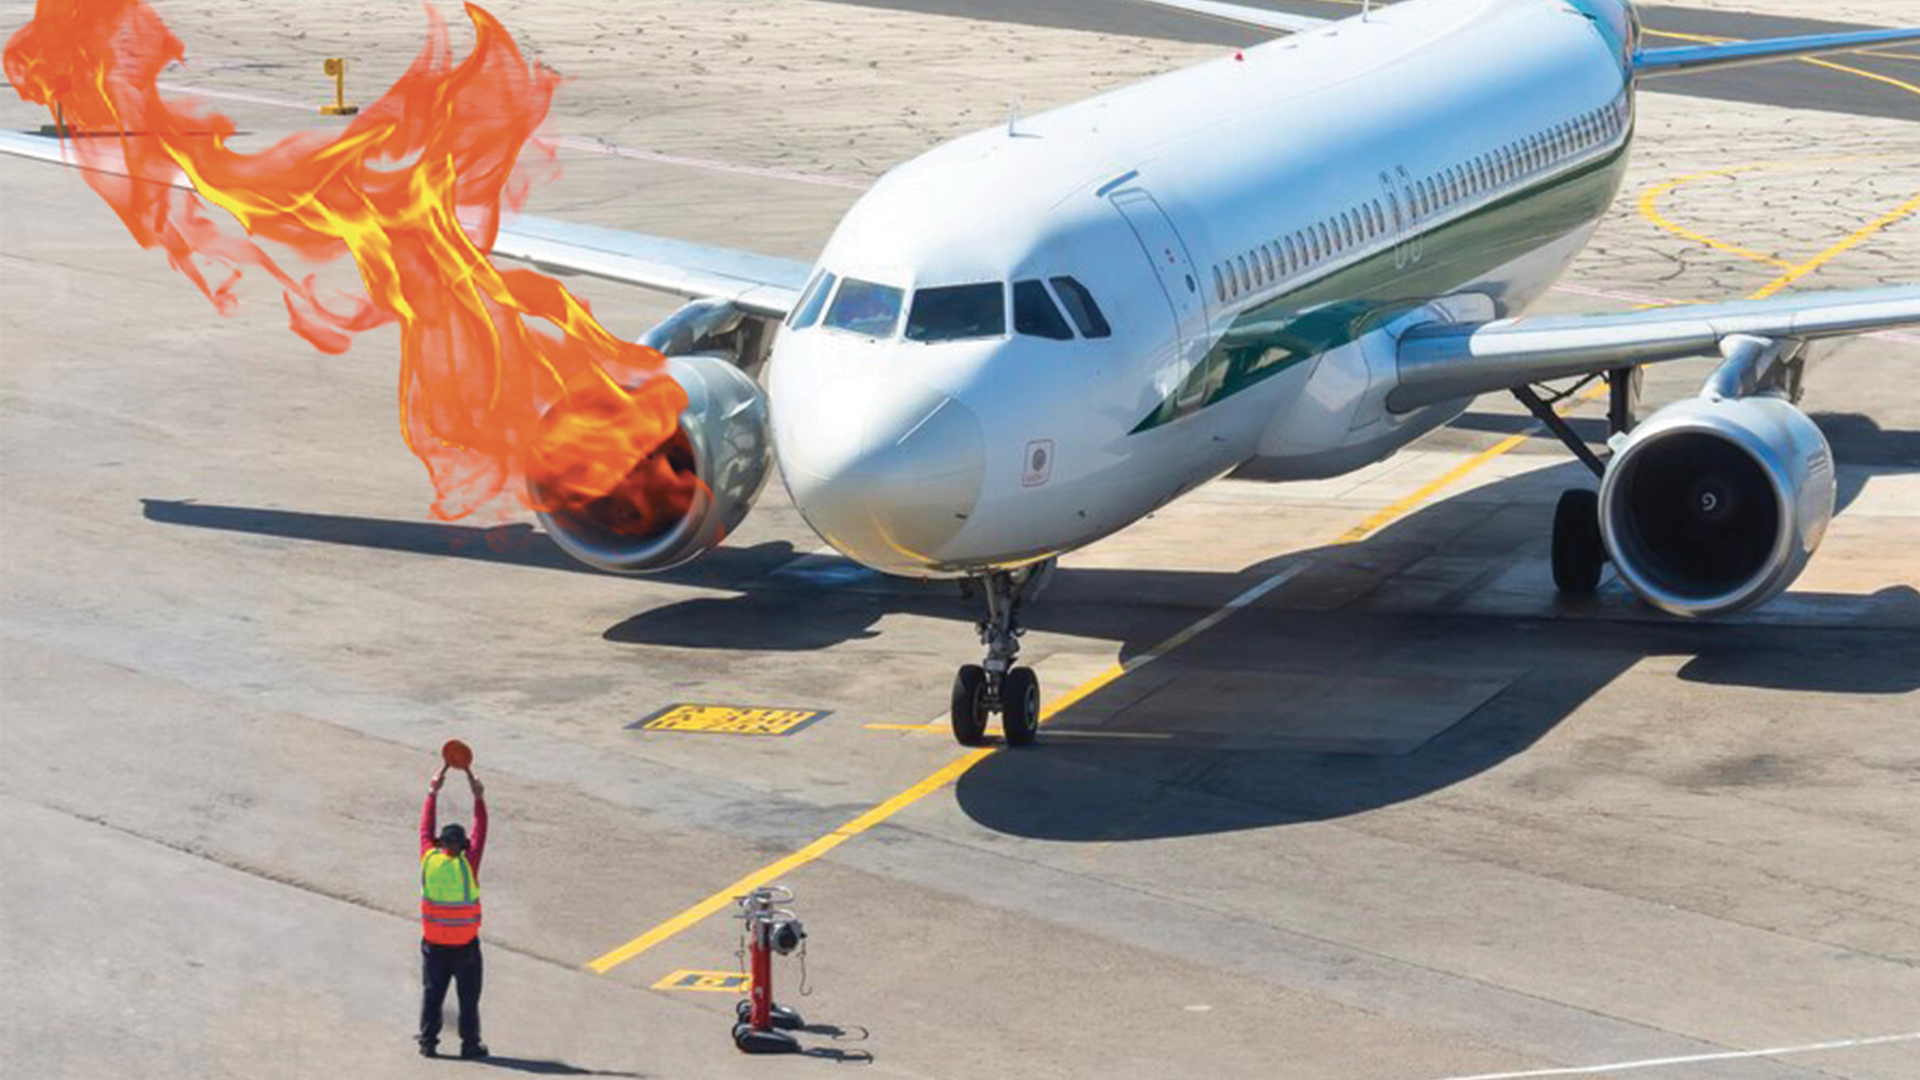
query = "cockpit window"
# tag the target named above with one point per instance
(955, 312)
(1079, 303)
(1034, 313)
(807, 311)
(863, 307)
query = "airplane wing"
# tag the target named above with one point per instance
(1446, 362)
(1258, 18)
(757, 284)
(1650, 63)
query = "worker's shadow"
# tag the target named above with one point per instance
(546, 1067)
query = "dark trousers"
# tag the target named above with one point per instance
(443, 964)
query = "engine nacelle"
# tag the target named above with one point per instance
(1716, 504)
(724, 439)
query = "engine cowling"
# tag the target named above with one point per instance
(1716, 504)
(724, 440)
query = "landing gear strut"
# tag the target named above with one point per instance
(1579, 552)
(995, 685)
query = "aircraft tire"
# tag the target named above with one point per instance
(1578, 552)
(970, 705)
(1020, 706)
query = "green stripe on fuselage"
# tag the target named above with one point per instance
(1353, 300)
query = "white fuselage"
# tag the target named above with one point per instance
(1255, 232)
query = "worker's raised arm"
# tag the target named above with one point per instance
(428, 822)
(479, 845)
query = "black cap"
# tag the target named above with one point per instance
(453, 836)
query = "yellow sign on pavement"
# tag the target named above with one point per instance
(716, 982)
(730, 720)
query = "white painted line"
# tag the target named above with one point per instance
(1278, 578)
(600, 146)
(571, 142)
(1696, 1059)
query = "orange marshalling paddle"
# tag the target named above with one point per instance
(456, 754)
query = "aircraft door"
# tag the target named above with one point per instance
(1168, 254)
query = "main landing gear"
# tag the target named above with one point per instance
(1579, 552)
(995, 685)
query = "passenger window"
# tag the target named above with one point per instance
(958, 312)
(1266, 261)
(1081, 308)
(807, 311)
(1219, 284)
(862, 307)
(1034, 313)
(1292, 255)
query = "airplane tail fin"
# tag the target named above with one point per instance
(1651, 63)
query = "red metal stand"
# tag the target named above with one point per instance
(760, 1025)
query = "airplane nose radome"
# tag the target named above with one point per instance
(906, 490)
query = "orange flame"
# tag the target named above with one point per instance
(489, 401)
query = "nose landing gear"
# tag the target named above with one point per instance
(996, 685)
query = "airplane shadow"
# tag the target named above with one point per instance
(1383, 671)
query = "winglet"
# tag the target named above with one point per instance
(1650, 63)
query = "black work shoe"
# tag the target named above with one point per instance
(471, 1051)
(428, 1049)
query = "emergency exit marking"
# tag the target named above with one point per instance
(716, 982)
(729, 720)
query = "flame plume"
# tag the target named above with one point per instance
(413, 190)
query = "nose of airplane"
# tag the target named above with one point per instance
(886, 474)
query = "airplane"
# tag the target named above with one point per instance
(1287, 263)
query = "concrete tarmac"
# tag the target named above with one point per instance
(1405, 816)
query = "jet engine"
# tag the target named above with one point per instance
(1715, 504)
(724, 440)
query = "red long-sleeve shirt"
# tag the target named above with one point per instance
(429, 828)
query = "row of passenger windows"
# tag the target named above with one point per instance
(950, 312)
(1411, 201)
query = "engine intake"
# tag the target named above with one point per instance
(723, 440)
(1716, 504)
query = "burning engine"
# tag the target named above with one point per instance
(723, 441)
(1715, 504)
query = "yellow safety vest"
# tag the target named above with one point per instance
(449, 898)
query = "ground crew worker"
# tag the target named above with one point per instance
(450, 919)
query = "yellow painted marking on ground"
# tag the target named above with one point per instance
(731, 720)
(1650, 198)
(1874, 75)
(1650, 209)
(1854, 239)
(1891, 55)
(712, 982)
(959, 766)
(953, 770)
